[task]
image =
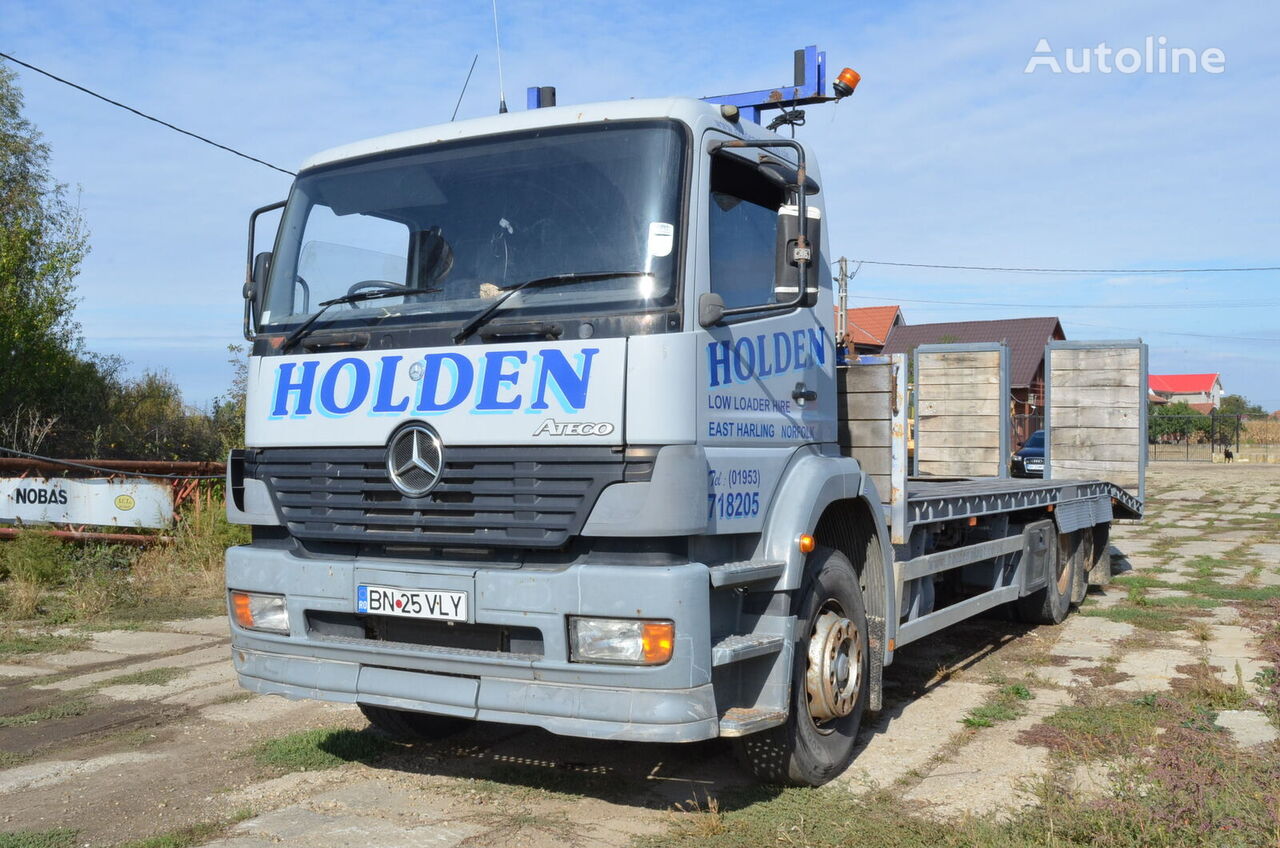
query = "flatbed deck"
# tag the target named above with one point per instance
(931, 499)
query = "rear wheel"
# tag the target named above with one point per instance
(411, 726)
(1051, 604)
(1100, 573)
(1080, 542)
(829, 681)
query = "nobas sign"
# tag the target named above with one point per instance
(105, 503)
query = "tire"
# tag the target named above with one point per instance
(410, 726)
(1081, 544)
(1100, 573)
(1051, 604)
(809, 750)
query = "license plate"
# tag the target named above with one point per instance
(1035, 463)
(411, 603)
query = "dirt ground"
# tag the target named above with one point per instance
(143, 733)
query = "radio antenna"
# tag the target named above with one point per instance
(464, 88)
(502, 97)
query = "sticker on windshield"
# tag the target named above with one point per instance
(661, 237)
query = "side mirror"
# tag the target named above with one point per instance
(255, 275)
(786, 279)
(710, 309)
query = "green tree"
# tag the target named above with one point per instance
(1238, 405)
(45, 372)
(1176, 422)
(148, 420)
(228, 409)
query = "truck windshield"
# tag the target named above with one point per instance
(459, 224)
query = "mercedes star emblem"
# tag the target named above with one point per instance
(415, 460)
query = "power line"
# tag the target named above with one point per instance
(1203, 304)
(145, 115)
(1177, 333)
(1072, 270)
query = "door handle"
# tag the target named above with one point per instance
(802, 393)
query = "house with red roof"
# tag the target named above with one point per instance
(1202, 391)
(868, 327)
(1026, 338)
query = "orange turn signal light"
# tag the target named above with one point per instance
(658, 639)
(806, 544)
(240, 607)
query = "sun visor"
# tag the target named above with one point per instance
(374, 189)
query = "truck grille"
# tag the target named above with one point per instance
(493, 496)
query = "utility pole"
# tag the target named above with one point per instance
(842, 315)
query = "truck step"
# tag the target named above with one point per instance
(745, 571)
(741, 721)
(736, 648)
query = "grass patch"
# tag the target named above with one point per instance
(185, 837)
(1145, 617)
(114, 585)
(1181, 602)
(153, 677)
(9, 759)
(1232, 592)
(1096, 730)
(1142, 581)
(66, 709)
(14, 644)
(1007, 704)
(59, 837)
(313, 750)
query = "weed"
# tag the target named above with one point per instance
(9, 759)
(313, 750)
(1144, 617)
(706, 817)
(1182, 602)
(66, 709)
(1226, 592)
(1097, 730)
(57, 838)
(1005, 705)
(34, 558)
(13, 643)
(1267, 679)
(153, 677)
(185, 837)
(1199, 687)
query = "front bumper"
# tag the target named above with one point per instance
(674, 702)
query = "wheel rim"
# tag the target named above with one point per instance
(833, 678)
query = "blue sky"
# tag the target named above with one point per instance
(948, 153)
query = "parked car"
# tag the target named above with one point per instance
(1029, 460)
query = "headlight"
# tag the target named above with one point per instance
(620, 640)
(253, 611)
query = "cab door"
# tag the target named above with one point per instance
(767, 379)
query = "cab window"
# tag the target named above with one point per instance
(742, 231)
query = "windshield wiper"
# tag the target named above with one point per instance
(355, 297)
(556, 279)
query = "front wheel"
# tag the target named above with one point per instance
(410, 726)
(829, 681)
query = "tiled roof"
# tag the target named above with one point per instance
(1206, 408)
(1026, 338)
(870, 325)
(1181, 384)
